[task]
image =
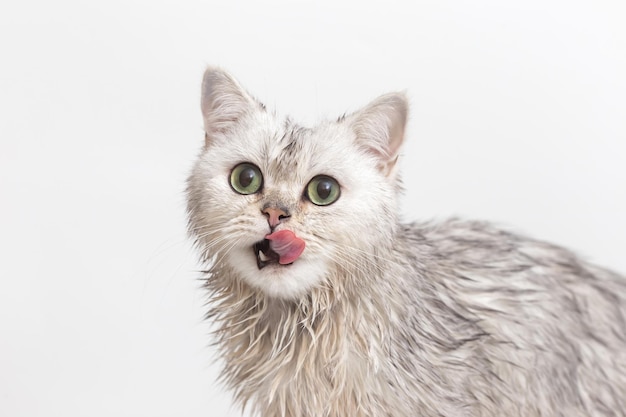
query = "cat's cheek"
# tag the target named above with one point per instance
(243, 261)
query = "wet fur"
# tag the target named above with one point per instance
(379, 318)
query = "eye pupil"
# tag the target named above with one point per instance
(324, 188)
(246, 177)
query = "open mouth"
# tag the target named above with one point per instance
(264, 254)
(282, 247)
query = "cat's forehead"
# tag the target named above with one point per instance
(286, 151)
(297, 152)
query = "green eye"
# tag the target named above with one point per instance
(246, 179)
(322, 190)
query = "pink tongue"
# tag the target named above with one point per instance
(287, 245)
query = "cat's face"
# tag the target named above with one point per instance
(333, 187)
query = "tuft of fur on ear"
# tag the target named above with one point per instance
(379, 128)
(224, 102)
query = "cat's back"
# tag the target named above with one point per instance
(482, 257)
(548, 325)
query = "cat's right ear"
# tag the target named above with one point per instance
(379, 129)
(224, 102)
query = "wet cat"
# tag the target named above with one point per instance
(327, 306)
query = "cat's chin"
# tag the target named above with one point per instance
(288, 282)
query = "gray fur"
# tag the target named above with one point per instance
(382, 319)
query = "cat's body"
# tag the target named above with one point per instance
(374, 318)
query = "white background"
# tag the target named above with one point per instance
(518, 116)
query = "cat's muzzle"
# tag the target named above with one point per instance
(264, 254)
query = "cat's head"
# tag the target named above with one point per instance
(285, 207)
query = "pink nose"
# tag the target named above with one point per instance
(274, 215)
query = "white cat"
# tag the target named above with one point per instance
(327, 306)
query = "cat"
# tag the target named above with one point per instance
(325, 305)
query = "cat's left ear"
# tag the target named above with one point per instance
(224, 102)
(380, 126)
